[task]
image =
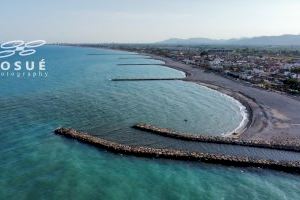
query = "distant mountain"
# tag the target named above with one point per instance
(190, 41)
(282, 40)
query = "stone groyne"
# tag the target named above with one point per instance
(288, 166)
(146, 79)
(133, 64)
(109, 54)
(284, 145)
(139, 57)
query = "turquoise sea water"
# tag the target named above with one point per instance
(78, 93)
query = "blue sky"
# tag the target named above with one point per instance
(145, 20)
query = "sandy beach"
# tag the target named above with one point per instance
(272, 116)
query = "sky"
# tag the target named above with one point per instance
(139, 21)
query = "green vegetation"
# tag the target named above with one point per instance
(296, 70)
(293, 85)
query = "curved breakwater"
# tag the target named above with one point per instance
(288, 166)
(284, 145)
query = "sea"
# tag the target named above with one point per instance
(76, 90)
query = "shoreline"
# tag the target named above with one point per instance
(271, 116)
(275, 116)
(245, 110)
(240, 100)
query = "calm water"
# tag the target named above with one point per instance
(78, 93)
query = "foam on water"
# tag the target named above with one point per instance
(243, 112)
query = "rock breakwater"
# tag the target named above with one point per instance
(147, 79)
(288, 166)
(283, 145)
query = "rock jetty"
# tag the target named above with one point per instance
(284, 145)
(147, 79)
(288, 166)
(133, 64)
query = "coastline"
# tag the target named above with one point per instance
(242, 101)
(271, 116)
(245, 110)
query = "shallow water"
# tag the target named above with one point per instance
(78, 93)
